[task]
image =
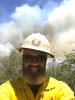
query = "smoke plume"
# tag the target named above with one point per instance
(63, 19)
(57, 24)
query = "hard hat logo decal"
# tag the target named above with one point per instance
(36, 42)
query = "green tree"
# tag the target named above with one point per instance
(11, 66)
(67, 69)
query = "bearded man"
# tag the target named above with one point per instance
(34, 84)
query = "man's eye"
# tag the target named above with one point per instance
(27, 58)
(39, 58)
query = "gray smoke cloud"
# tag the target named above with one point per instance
(58, 25)
(31, 20)
(63, 19)
(25, 20)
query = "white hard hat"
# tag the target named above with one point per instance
(37, 41)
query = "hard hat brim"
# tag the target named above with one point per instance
(49, 54)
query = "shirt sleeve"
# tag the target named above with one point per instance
(6, 91)
(65, 92)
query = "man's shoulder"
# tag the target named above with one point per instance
(5, 83)
(57, 83)
(53, 80)
(8, 83)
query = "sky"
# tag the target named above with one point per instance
(53, 18)
(8, 7)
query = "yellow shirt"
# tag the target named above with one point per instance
(51, 89)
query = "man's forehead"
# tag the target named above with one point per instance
(32, 52)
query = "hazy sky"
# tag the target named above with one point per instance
(54, 18)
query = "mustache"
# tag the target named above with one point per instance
(34, 65)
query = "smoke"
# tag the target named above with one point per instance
(9, 32)
(5, 49)
(65, 42)
(63, 17)
(63, 20)
(24, 21)
(57, 24)
(31, 20)
(27, 18)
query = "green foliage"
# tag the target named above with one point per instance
(10, 66)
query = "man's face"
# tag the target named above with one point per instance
(34, 65)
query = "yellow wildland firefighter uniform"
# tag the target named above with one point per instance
(51, 89)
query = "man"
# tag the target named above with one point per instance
(34, 83)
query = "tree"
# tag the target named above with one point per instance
(11, 66)
(67, 69)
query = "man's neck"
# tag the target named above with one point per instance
(35, 88)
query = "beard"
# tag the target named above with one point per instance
(34, 76)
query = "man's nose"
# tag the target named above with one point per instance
(34, 63)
